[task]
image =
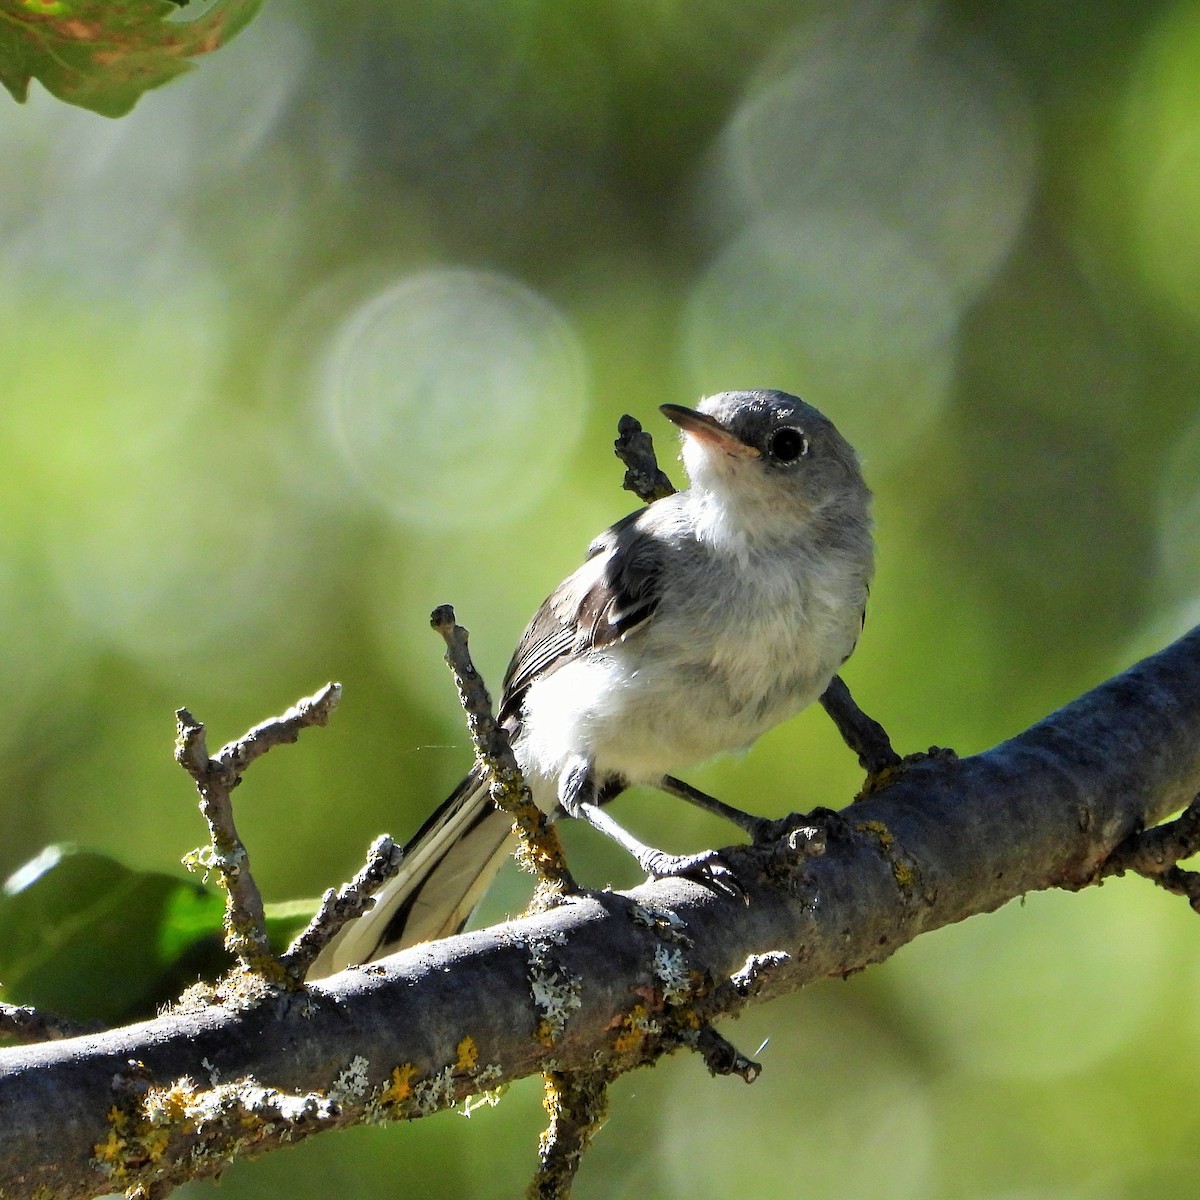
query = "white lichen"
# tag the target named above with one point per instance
(485, 1097)
(667, 924)
(671, 970)
(555, 993)
(352, 1083)
(435, 1093)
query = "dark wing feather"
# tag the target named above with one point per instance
(615, 592)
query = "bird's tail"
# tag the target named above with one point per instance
(447, 867)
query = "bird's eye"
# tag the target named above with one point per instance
(787, 445)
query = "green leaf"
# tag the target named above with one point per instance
(86, 937)
(103, 54)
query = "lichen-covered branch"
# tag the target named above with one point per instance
(577, 1103)
(338, 907)
(215, 778)
(540, 849)
(611, 980)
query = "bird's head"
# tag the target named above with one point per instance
(771, 458)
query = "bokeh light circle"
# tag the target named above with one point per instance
(1158, 144)
(906, 119)
(455, 397)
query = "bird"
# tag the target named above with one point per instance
(694, 625)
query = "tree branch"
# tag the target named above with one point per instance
(629, 976)
(864, 735)
(215, 778)
(635, 448)
(1156, 853)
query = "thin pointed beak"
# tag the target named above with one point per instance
(707, 429)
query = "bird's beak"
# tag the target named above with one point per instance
(707, 429)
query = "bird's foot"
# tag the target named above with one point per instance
(707, 868)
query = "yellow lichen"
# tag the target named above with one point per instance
(111, 1151)
(903, 871)
(400, 1088)
(635, 1025)
(155, 1143)
(171, 1105)
(879, 830)
(468, 1055)
(230, 1117)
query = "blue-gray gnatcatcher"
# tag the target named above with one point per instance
(695, 625)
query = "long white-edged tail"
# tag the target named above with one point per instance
(447, 866)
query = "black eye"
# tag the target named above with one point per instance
(786, 445)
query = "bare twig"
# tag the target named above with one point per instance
(575, 1100)
(215, 778)
(343, 905)
(27, 1025)
(282, 730)
(245, 920)
(722, 1057)
(635, 448)
(540, 850)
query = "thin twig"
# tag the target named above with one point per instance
(343, 905)
(282, 730)
(215, 778)
(540, 850)
(635, 448)
(1155, 854)
(722, 1057)
(245, 920)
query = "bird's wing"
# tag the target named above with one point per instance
(613, 594)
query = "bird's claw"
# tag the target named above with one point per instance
(707, 868)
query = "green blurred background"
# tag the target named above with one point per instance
(339, 327)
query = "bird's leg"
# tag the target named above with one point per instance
(866, 737)
(756, 827)
(577, 793)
